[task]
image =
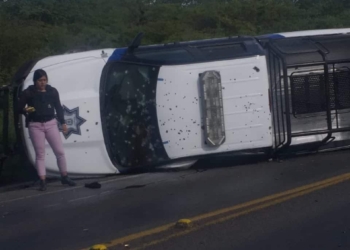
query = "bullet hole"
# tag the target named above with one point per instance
(170, 109)
(256, 69)
(88, 111)
(96, 123)
(167, 131)
(75, 141)
(176, 106)
(87, 130)
(184, 97)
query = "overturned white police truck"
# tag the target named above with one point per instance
(172, 104)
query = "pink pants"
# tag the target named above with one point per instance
(38, 132)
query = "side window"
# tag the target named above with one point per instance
(168, 56)
(222, 51)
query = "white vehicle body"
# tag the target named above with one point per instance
(247, 118)
(76, 77)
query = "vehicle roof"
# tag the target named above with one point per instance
(314, 49)
(305, 33)
(192, 51)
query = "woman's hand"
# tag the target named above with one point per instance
(64, 128)
(29, 109)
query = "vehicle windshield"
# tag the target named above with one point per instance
(129, 115)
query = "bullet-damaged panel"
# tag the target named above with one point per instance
(245, 106)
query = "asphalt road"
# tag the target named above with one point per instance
(267, 205)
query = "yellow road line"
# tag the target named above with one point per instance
(290, 193)
(235, 215)
(268, 198)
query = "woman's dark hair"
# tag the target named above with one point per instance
(38, 74)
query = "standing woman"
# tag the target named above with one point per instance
(42, 100)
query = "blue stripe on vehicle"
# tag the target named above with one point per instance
(117, 54)
(275, 36)
(160, 79)
(272, 36)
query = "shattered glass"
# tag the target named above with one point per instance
(131, 107)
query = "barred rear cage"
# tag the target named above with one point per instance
(309, 92)
(310, 87)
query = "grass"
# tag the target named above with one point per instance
(11, 132)
(15, 168)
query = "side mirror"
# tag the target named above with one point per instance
(136, 42)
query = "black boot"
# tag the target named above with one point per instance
(42, 184)
(67, 180)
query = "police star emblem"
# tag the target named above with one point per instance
(73, 121)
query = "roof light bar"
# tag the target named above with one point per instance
(212, 106)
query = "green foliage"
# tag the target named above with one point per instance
(37, 28)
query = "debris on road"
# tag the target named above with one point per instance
(93, 185)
